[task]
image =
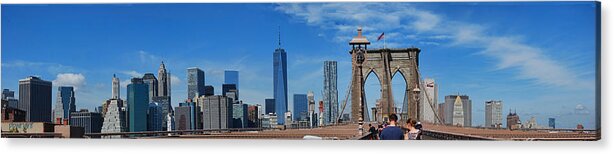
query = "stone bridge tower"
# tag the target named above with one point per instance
(384, 63)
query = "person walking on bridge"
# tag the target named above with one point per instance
(412, 132)
(392, 131)
(373, 132)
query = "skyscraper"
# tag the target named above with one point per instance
(154, 117)
(9, 96)
(311, 109)
(209, 90)
(164, 81)
(217, 112)
(428, 101)
(183, 116)
(35, 99)
(280, 82)
(6, 93)
(311, 102)
(137, 105)
(91, 121)
(458, 115)
(196, 82)
(330, 94)
(165, 104)
(232, 77)
(239, 115)
(115, 89)
(232, 94)
(114, 118)
(253, 116)
(152, 84)
(552, 123)
(300, 107)
(228, 87)
(449, 109)
(494, 114)
(64, 105)
(513, 121)
(269, 105)
(170, 120)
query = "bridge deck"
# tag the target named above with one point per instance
(342, 132)
(349, 131)
(504, 134)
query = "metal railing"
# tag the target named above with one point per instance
(177, 132)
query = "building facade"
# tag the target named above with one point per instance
(513, 121)
(114, 118)
(152, 85)
(35, 99)
(313, 120)
(232, 77)
(165, 104)
(239, 115)
(170, 120)
(230, 87)
(552, 123)
(164, 81)
(115, 92)
(12, 114)
(330, 94)
(155, 117)
(9, 97)
(183, 117)
(253, 116)
(300, 107)
(217, 112)
(449, 109)
(280, 83)
(65, 104)
(494, 114)
(196, 82)
(428, 101)
(138, 102)
(6, 93)
(209, 90)
(269, 105)
(90, 121)
(458, 118)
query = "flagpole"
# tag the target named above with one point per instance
(384, 41)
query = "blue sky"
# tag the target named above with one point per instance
(538, 57)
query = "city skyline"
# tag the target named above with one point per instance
(484, 70)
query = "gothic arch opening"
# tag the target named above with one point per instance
(399, 87)
(373, 92)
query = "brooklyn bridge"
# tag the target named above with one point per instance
(384, 63)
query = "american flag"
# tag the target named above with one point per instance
(380, 36)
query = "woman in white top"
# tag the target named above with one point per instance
(412, 132)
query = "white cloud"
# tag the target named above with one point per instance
(70, 79)
(147, 57)
(440, 37)
(52, 68)
(125, 83)
(133, 74)
(175, 80)
(426, 21)
(428, 43)
(581, 110)
(405, 21)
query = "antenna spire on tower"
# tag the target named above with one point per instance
(279, 36)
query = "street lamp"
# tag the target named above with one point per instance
(360, 58)
(416, 93)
